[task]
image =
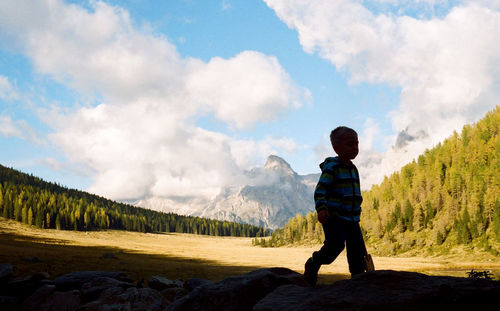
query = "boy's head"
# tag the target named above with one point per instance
(345, 143)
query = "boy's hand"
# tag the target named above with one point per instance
(323, 215)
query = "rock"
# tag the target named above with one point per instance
(191, 284)
(260, 290)
(9, 303)
(387, 290)
(111, 292)
(26, 286)
(69, 300)
(130, 299)
(238, 292)
(92, 289)
(107, 301)
(6, 272)
(160, 283)
(34, 301)
(173, 293)
(144, 299)
(47, 299)
(75, 280)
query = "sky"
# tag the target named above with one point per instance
(140, 98)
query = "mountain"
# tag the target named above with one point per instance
(448, 199)
(274, 194)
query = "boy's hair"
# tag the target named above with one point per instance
(338, 132)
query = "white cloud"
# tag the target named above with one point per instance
(139, 151)
(7, 91)
(52, 163)
(370, 136)
(18, 129)
(9, 128)
(245, 89)
(492, 4)
(14, 128)
(448, 67)
(142, 139)
(249, 153)
(62, 166)
(226, 5)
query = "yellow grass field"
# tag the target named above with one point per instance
(183, 256)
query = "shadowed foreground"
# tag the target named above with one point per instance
(259, 290)
(30, 255)
(57, 270)
(140, 256)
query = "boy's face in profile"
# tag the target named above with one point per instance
(346, 146)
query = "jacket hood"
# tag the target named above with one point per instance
(328, 160)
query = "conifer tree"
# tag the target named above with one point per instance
(30, 217)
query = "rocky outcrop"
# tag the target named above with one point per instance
(239, 292)
(260, 290)
(89, 290)
(387, 290)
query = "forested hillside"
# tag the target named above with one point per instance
(30, 200)
(449, 196)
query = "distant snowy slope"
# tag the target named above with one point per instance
(274, 194)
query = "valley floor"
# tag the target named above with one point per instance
(183, 256)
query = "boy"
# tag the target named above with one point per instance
(338, 203)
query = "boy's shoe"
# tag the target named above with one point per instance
(311, 272)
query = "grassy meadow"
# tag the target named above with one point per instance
(183, 256)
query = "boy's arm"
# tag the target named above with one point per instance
(325, 184)
(320, 192)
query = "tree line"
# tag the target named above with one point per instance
(33, 201)
(298, 230)
(449, 196)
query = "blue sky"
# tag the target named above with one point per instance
(135, 99)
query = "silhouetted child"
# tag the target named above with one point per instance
(338, 203)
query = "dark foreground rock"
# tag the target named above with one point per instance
(6, 271)
(259, 290)
(388, 290)
(238, 292)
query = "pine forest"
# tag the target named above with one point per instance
(31, 200)
(446, 198)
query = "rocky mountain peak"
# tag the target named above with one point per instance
(272, 195)
(275, 163)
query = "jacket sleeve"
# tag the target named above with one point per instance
(322, 198)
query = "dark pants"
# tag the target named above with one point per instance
(341, 233)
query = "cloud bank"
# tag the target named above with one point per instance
(140, 138)
(447, 66)
(8, 126)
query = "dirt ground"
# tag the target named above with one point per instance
(187, 255)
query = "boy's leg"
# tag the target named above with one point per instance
(332, 246)
(335, 238)
(355, 249)
(311, 271)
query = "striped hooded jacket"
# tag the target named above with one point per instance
(338, 190)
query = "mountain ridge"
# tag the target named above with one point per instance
(274, 193)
